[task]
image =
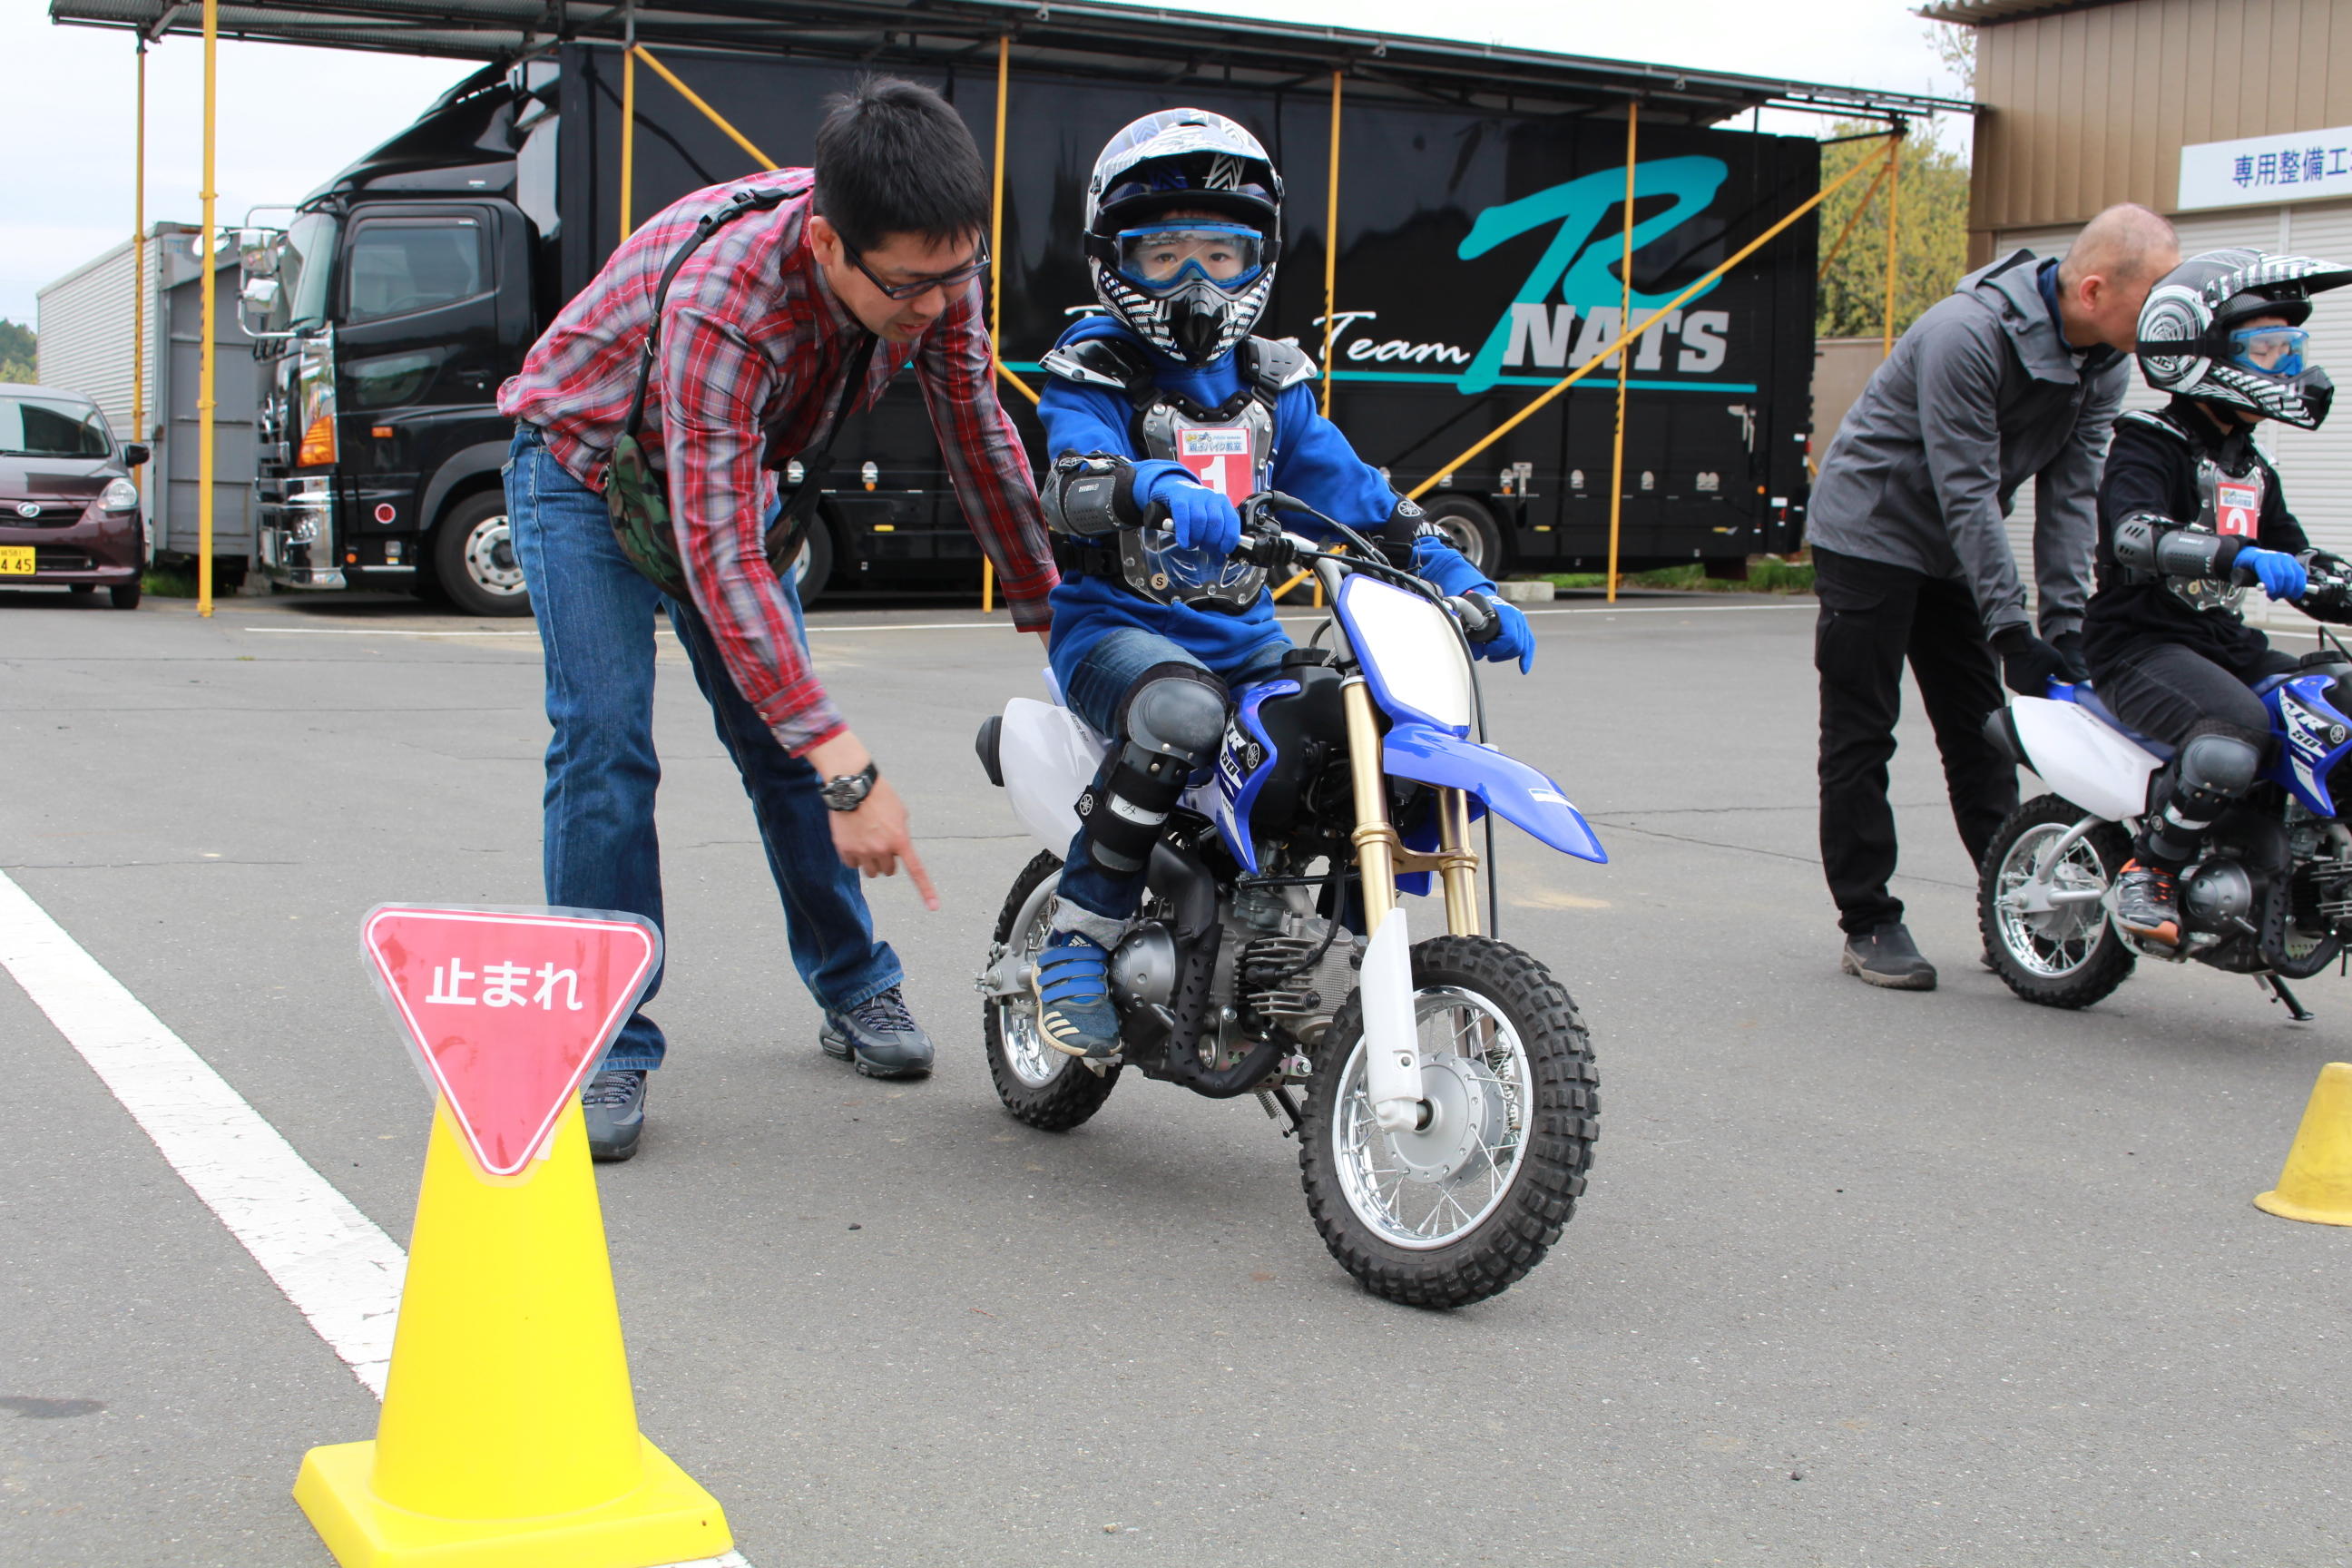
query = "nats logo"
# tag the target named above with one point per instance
(1219, 457)
(2237, 507)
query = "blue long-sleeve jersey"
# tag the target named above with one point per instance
(1311, 460)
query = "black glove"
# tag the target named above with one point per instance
(2070, 648)
(2028, 664)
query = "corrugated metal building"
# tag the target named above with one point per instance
(2090, 102)
(86, 322)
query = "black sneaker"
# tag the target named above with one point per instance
(879, 1037)
(1887, 958)
(2146, 905)
(615, 1103)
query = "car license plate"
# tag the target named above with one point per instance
(16, 560)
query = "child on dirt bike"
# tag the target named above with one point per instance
(1166, 406)
(2188, 500)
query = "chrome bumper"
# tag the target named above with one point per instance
(297, 533)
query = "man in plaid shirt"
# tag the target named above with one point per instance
(881, 243)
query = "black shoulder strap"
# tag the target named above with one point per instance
(711, 222)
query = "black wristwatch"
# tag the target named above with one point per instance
(848, 792)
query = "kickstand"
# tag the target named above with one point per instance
(2279, 993)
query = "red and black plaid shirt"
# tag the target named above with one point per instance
(753, 341)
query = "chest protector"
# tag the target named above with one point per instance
(2229, 504)
(1228, 449)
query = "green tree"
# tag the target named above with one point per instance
(1931, 232)
(16, 353)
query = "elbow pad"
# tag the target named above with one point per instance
(1087, 496)
(2151, 542)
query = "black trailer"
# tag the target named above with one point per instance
(1480, 234)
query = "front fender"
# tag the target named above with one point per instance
(1508, 787)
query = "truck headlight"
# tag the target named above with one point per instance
(119, 495)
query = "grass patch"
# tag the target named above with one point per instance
(1766, 575)
(169, 582)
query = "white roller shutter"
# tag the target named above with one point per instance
(2316, 467)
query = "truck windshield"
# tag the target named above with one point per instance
(305, 266)
(52, 427)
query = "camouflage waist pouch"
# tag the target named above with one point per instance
(634, 495)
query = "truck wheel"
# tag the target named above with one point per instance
(812, 567)
(474, 559)
(1470, 528)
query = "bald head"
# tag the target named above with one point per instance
(2107, 272)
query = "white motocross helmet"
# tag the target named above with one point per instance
(1193, 161)
(2194, 341)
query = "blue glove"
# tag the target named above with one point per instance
(1200, 517)
(1515, 639)
(2281, 575)
(1448, 571)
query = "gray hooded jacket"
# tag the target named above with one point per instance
(1978, 396)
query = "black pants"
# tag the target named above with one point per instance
(2169, 693)
(1873, 617)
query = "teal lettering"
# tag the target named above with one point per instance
(1581, 268)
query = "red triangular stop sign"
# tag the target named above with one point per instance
(508, 1010)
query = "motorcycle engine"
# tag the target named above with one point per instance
(2217, 895)
(1296, 968)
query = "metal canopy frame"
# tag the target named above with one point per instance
(1147, 44)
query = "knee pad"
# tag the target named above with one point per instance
(1174, 718)
(2212, 768)
(1176, 708)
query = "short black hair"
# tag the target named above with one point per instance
(893, 157)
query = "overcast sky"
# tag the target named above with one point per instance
(291, 118)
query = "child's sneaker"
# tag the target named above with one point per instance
(2145, 905)
(1074, 1006)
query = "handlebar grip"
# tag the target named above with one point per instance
(1480, 623)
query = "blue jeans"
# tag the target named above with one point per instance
(596, 624)
(1095, 686)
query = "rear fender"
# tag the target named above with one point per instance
(1508, 787)
(1049, 757)
(2090, 764)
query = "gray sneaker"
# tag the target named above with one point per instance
(1885, 957)
(879, 1035)
(615, 1103)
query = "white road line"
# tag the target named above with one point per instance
(340, 1270)
(374, 632)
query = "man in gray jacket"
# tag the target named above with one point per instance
(2016, 375)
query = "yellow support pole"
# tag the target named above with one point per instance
(1624, 355)
(1331, 248)
(139, 273)
(628, 134)
(205, 380)
(996, 276)
(687, 93)
(1676, 303)
(1894, 187)
(1837, 247)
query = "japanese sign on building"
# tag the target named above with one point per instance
(2264, 171)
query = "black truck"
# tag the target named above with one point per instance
(1478, 255)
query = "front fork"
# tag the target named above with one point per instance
(1392, 1031)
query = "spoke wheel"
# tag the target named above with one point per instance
(1042, 1086)
(1463, 1206)
(2041, 905)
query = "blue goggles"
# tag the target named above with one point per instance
(1166, 256)
(2269, 350)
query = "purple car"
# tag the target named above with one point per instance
(69, 509)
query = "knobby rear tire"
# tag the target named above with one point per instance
(1071, 1095)
(2110, 961)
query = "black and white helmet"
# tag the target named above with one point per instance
(1189, 161)
(2194, 341)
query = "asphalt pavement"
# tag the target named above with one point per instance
(1861, 1278)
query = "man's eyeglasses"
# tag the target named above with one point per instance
(962, 275)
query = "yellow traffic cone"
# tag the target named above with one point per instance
(2317, 1184)
(508, 1437)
